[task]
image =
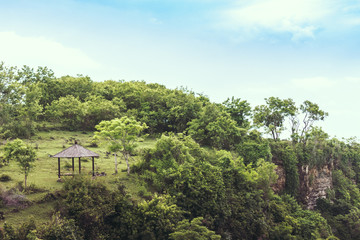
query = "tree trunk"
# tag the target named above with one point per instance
(25, 181)
(116, 163)
(126, 156)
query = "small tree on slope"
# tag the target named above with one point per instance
(23, 154)
(122, 135)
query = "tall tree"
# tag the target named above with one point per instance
(273, 114)
(310, 113)
(23, 154)
(239, 111)
(20, 93)
(67, 110)
(122, 135)
(214, 127)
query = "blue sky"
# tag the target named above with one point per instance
(250, 49)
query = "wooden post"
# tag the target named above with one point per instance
(72, 165)
(79, 165)
(93, 166)
(59, 167)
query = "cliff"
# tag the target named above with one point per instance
(313, 182)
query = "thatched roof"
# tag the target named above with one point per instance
(75, 151)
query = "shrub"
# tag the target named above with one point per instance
(5, 178)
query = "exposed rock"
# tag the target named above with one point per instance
(313, 183)
(279, 186)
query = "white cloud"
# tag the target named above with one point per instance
(38, 51)
(301, 18)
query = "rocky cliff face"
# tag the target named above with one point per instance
(279, 186)
(313, 183)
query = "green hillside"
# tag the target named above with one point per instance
(197, 169)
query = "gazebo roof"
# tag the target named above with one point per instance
(75, 151)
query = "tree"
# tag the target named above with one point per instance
(273, 114)
(311, 113)
(214, 127)
(22, 153)
(239, 111)
(98, 109)
(195, 229)
(183, 106)
(158, 217)
(19, 102)
(67, 110)
(121, 135)
(52, 89)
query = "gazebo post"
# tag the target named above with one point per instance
(79, 165)
(59, 167)
(93, 166)
(72, 165)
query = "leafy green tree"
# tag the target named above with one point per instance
(290, 221)
(161, 165)
(69, 111)
(195, 229)
(285, 155)
(19, 102)
(97, 109)
(318, 149)
(310, 113)
(252, 151)
(79, 87)
(108, 89)
(88, 203)
(273, 114)
(239, 111)
(181, 168)
(121, 135)
(25, 231)
(159, 217)
(183, 106)
(214, 127)
(60, 228)
(265, 177)
(23, 154)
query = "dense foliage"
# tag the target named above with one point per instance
(213, 173)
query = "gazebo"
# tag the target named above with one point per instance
(76, 151)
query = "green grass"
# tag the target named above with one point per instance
(44, 175)
(40, 213)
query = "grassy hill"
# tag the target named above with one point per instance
(43, 179)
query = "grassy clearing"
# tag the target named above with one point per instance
(44, 175)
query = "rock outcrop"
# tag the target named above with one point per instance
(279, 186)
(313, 183)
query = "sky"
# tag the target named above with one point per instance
(249, 49)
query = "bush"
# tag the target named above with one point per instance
(61, 229)
(5, 178)
(32, 188)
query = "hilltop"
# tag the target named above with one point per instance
(201, 169)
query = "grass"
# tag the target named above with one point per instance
(40, 213)
(44, 175)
